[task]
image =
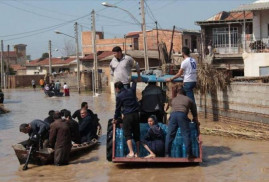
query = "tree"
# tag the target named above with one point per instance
(44, 56)
(69, 48)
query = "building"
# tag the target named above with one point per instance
(222, 40)
(256, 61)
(134, 41)
(18, 69)
(18, 56)
(41, 66)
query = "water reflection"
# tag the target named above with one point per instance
(225, 159)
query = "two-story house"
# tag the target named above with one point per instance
(256, 55)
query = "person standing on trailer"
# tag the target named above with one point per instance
(181, 105)
(121, 67)
(188, 68)
(126, 104)
(152, 102)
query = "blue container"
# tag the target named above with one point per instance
(184, 152)
(176, 145)
(120, 142)
(194, 141)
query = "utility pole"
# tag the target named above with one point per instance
(7, 67)
(95, 64)
(50, 70)
(7, 60)
(171, 46)
(125, 47)
(77, 55)
(244, 32)
(144, 36)
(158, 42)
(2, 64)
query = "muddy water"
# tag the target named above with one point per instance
(225, 159)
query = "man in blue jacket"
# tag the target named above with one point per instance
(126, 104)
(37, 129)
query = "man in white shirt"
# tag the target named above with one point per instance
(121, 67)
(188, 68)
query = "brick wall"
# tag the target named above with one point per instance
(15, 81)
(108, 44)
(245, 101)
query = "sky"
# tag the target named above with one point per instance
(33, 22)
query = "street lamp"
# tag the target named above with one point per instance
(143, 27)
(77, 51)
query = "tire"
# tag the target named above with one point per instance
(109, 142)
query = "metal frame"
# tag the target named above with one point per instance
(157, 159)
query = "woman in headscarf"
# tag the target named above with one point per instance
(154, 139)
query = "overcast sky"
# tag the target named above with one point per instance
(32, 22)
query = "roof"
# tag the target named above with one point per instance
(100, 55)
(228, 17)
(259, 5)
(11, 54)
(54, 61)
(130, 34)
(140, 54)
(17, 67)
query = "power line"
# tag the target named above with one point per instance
(116, 19)
(44, 9)
(54, 26)
(31, 12)
(46, 29)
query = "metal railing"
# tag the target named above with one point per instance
(236, 46)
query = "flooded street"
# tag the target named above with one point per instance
(224, 159)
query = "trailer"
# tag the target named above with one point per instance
(177, 156)
(111, 150)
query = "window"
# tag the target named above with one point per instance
(264, 71)
(268, 30)
(221, 37)
(186, 42)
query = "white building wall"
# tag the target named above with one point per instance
(257, 25)
(33, 70)
(253, 62)
(260, 24)
(264, 23)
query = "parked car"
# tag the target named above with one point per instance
(1, 96)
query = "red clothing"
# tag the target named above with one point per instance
(66, 92)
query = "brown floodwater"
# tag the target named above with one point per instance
(224, 159)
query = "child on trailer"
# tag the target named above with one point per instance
(154, 139)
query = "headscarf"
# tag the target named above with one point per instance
(154, 118)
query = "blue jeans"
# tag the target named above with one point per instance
(178, 120)
(188, 88)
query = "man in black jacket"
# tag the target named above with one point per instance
(73, 125)
(84, 105)
(87, 127)
(50, 119)
(127, 105)
(152, 102)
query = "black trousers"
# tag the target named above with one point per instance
(131, 127)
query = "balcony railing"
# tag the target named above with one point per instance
(236, 46)
(258, 46)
